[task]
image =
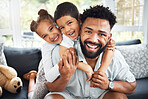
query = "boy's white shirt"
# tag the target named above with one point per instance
(52, 72)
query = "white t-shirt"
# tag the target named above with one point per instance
(51, 71)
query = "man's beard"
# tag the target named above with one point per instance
(92, 54)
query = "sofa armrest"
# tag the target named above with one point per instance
(129, 42)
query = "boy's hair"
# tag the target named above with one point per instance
(43, 14)
(66, 8)
(99, 12)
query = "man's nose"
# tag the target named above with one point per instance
(94, 38)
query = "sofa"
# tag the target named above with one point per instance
(26, 59)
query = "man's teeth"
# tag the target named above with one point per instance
(92, 46)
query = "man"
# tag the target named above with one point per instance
(97, 23)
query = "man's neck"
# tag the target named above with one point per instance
(92, 62)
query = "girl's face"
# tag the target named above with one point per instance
(49, 32)
(69, 26)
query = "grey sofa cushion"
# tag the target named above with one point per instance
(137, 58)
(22, 60)
(2, 56)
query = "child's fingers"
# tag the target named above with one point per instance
(69, 57)
(60, 64)
(110, 48)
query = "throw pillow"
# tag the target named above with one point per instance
(40, 87)
(2, 56)
(137, 58)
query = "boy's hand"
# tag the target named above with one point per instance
(99, 79)
(111, 45)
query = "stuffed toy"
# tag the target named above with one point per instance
(9, 80)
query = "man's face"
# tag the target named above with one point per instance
(95, 34)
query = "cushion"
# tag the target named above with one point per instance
(40, 88)
(2, 56)
(23, 59)
(137, 58)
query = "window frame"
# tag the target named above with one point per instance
(15, 25)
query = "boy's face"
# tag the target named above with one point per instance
(49, 32)
(95, 33)
(69, 26)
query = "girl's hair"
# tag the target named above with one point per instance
(43, 14)
(66, 8)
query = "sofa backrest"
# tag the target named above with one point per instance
(22, 59)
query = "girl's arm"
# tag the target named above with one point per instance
(51, 72)
(107, 56)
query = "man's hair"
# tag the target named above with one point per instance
(99, 12)
(66, 8)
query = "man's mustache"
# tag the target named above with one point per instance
(98, 44)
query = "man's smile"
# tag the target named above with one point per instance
(92, 47)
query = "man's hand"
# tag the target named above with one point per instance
(68, 64)
(99, 79)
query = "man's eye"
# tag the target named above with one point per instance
(88, 31)
(102, 34)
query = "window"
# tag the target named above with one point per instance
(16, 16)
(129, 20)
(29, 10)
(10, 22)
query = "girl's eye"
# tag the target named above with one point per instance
(51, 28)
(44, 36)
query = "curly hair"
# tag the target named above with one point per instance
(43, 14)
(99, 12)
(66, 8)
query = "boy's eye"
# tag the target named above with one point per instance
(61, 28)
(69, 23)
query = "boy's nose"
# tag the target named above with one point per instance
(67, 29)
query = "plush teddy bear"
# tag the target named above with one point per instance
(9, 80)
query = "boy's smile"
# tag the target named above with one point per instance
(69, 26)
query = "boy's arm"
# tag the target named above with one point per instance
(107, 56)
(86, 68)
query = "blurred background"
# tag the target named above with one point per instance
(16, 16)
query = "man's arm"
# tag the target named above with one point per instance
(124, 87)
(67, 67)
(100, 80)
